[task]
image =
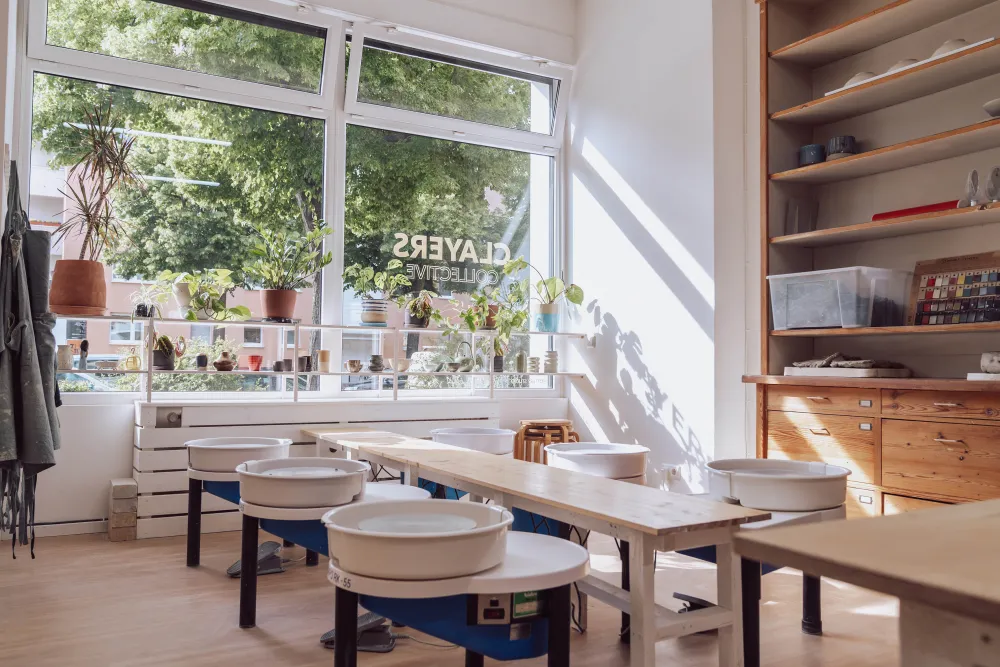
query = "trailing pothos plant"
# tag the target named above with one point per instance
(506, 305)
(370, 284)
(209, 290)
(548, 290)
(284, 260)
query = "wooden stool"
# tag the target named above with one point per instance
(535, 434)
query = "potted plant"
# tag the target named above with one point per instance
(284, 262)
(550, 291)
(419, 309)
(376, 289)
(78, 285)
(165, 352)
(505, 308)
(148, 299)
(202, 295)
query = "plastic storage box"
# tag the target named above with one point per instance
(857, 296)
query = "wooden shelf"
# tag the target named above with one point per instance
(892, 21)
(885, 229)
(963, 141)
(932, 384)
(984, 327)
(926, 79)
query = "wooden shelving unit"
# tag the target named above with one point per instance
(888, 431)
(903, 86)
(883, 24)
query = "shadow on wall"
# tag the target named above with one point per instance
(614, 410)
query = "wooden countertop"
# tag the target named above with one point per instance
(640, 508)
(947, 558)
(913, 384)
(318, 432)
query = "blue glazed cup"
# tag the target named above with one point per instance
(812, 154)
(546, 321)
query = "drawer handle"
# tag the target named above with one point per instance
(948, 405)
(865, 404)
(817, 398)
(866, 500)
(945, 441)
(820, 431)
(865, 427)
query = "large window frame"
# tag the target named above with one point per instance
(336, 104)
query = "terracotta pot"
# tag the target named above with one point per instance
(78, 288)
(163, 361)
(278, 304)
(491, 318)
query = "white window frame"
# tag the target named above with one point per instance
(136, 331)
(259, 329)
(331, 106)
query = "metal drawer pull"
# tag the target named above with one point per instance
(865, 427)
(865, 404)
(945, 441)
(948, 405)
(819, 431)
(817, 398)
(866, 500)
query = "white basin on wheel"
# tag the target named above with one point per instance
(487, 440)
(603, 459)
(224, 454)
(418, 539)
(302, 482)
(779, 486)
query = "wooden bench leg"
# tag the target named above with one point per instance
(750, 571)
(730, 597)
(194, 523)
(812, 607)
(248, 572)
(642, 623)
(345, 623)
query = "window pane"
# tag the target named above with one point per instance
(403, 78)
(208, 169)
(217, 40)
(453, 214)
(76, 329)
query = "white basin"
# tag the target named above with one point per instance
(224, 454)
(603, 459)
(486, 440)
(779, 486)
(302, 482)
(417, 539)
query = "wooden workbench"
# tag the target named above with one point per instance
(943, 564)
(649, 519)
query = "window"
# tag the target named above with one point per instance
(126, 333)
(253, 337)
(193, 36)
(76, 329)
(202, 332)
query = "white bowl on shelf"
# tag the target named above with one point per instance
(779, 486)
(603, 459)
(487, 440)
(992, 108)
(302, 482)
(224, 454)
(417, 540)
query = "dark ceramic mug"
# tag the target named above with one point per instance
(812, 154)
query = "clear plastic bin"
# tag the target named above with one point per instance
(857, 296)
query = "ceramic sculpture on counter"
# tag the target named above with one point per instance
(971, 191)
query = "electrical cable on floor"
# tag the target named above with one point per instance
(421, 641)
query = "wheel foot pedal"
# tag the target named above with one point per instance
(268, 561)
(374, 636)
(691, 603)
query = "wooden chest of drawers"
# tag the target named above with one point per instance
(909, 444)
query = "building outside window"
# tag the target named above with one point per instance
(126, 333)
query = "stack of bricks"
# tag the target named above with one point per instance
(123, 509)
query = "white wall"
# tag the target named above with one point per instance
(654, 139)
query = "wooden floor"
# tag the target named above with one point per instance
(84, 601)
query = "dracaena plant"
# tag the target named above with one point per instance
(284, 260)
(368, 283)
(548, 290)
(102, 168)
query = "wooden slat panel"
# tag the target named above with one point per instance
(824, 400)
(154, 460)
(161, 482)
(167, 526)
(954, 460)
(893, 504)
(176, 503)
(837, 440)
(977, 405)
(863, 503)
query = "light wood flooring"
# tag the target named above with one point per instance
(86, 602)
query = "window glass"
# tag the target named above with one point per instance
(208, 171)
(253, 336)
(76, 329)
(403, 78)
(214, 40)
(126, 332)
(453, 214)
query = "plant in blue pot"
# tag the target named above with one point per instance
(550, 292)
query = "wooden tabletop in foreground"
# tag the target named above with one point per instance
(947, 557)
(641, 508)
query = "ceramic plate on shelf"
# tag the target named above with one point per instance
(418, 539)
(224, 454)
(302, 482)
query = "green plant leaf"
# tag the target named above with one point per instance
(574, 294)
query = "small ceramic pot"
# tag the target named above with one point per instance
(375, 363)
(812, 154)
(498, 363)
(547, 317)
(374, 311)
(201, 362)
(224, 363)
(402, 365)
(278, 366)
(323, 360)
(182, 295)
(305, 363)
(841, 147)
(414, 322)
(288, 365)
(278, 304)
(254, 361)
(990, 362)
(163, 361)
(64, 357)
(354, 365)
(993, 108)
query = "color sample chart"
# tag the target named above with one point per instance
(959, 298)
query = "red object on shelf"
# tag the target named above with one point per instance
(918, 210)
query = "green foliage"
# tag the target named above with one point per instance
(208, 294)
(420, 305)
(368, 283)
(284, 260)
(164, 344)
(153, 294)
(549, 290)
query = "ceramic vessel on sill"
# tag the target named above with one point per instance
(547, 317)
(278, 304)
(78, 288)
(163, 361)
(374, 311)
(990, 362)
(413, 322)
